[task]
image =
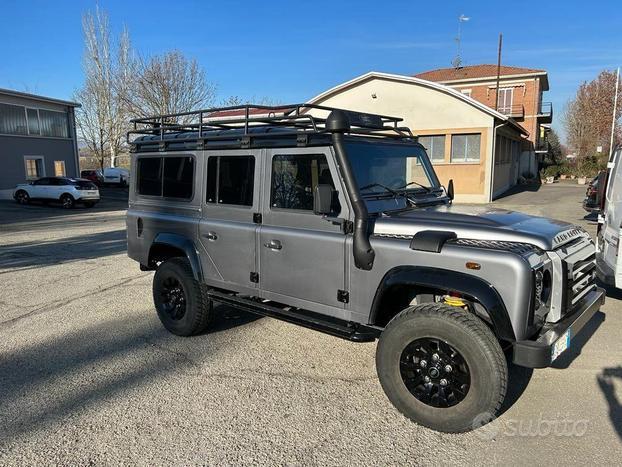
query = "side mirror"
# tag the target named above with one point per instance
(450, 189)
(322, 199)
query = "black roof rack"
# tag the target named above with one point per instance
(243, 122)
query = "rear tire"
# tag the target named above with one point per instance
(442, 367)
(67, 201)
(181, 301)
(22, 197)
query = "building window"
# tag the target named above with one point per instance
(504, 104)
(466, 92)
(230, 180)
(33, 121)
(59, 168)
(13, 120)
(435, 146)
(34, 167)
(294, 178)
(53, 123)
(465, 148)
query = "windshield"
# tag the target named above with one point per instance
(386, 167)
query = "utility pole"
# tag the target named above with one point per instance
(498, 71)
(615, 108)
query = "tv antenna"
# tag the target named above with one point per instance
(457, 61)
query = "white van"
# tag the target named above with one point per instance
(116, 176)
(608, 257)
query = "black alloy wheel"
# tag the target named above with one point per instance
(435, 372)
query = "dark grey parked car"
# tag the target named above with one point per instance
(336, 221)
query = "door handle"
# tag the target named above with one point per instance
(273, 245)
(211, 236)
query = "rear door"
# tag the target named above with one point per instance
(302, 255)
(228, 227)
(610, 251)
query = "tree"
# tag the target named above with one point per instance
(556, 152)
(102, 119)
(167, 84)
(587, 117)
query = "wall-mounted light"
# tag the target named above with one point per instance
(373, 96)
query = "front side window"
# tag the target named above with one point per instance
(230, 180)
(294, 178)
(435, 146)
(465, 148)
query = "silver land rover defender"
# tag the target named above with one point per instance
(335, 220)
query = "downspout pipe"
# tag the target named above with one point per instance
(338, 123)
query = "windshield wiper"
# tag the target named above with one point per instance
(387, 190)
(426, 188)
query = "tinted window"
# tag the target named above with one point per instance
(42, 181)
(178, 177)
(295, 177)
(150, 176)
(230, 180)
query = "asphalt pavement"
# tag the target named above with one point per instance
(89, 376)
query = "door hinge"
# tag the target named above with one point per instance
(343, 296)
(257, 218)
(255, 277)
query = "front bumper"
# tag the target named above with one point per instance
(539, 353)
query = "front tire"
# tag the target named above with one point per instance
(21, 197)
(442, 367)
(181, 302)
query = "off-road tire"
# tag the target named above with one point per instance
(475, 342)
(199, 314)
(67, 201)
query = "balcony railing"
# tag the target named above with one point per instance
(514, 111)
(545, 112)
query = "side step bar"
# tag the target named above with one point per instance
(333, 326)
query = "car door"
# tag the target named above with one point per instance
(41, 188)
(230, 212)
(611, 253)
(301, 254)
(57, 187)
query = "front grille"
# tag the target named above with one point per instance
(581, 279)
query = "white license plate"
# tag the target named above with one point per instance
(561, 345)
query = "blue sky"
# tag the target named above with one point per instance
(293, 50)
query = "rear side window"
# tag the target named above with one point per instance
(230, 180)
(171, 177)
(178, 177)
(150, 176)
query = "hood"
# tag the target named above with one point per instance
(481, 223)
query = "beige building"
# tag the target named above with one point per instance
(460, 133)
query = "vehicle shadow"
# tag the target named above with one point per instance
(39, 254)
(577, 342)
(606, 381)
(518, 380)
(229, 318)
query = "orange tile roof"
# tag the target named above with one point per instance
(473, 72)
